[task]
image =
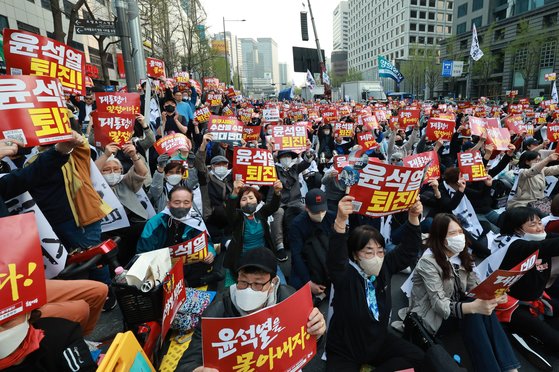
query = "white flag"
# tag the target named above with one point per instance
(554, 96)
(325, 77)
(475, 50)
(310, 81)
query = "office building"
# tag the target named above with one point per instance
(340, 26)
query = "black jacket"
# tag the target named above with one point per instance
(237, 223)
(354, 334)
(81, 106)
(221, 307)
(291, 192)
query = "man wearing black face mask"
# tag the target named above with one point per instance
(175, 225)
(171, 121)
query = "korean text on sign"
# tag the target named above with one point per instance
(343, 130)
(254, 166)
(193, 250)
(385, 189)
(408, 117)
(274, 339)
(30, 54)
(428, 159)
(174, 296)
(112, 128)
(155, 68)
(553, 132)
(439, 128)
(500, 137)
(118, 103)
(290, 137)
(172, 143)
(251, 133)
(271, 114)
(202, 115)
(226, 129)
(33, 110)
(367, 140)
(471, 166)
(213, 99)
(22, 274)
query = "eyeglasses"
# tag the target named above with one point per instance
(241, 284)
(372, 252)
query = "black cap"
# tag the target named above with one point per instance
(530, 142)
(315, 200)
(262, 258)
(281, 153)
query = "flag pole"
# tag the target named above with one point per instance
(469, 78)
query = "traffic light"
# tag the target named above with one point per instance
(304, 27)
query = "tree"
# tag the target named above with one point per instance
(433, 76)
(484, 68)
(57, 13)
(451, 48)
(413, 70)
(351, 75)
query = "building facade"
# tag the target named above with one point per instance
(260, 68)
(340, 26)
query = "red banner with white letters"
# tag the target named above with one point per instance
(290, 137)
(368, 121)
(471, 166)
(31, 54)
(251, 133)
(191, 251)
(367, 140)
(408, 117)
(330, 115)
(272, 339)
(553, 132)
(385, 189)
(33, 110)
(174, 296)
(22, 273)
(439, 128)
(155, 68)
(172, 143)
(210, 83)
(202, 115)
(516, 124)
(428, 159)
(254, 166)
(118, 103)
(109, 128)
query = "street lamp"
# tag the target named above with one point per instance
(225, 41)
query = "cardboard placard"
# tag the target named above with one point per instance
(553, 132)
(429, 159)
(118, 103)
(471, 166)
(193, 250)
(343, 130)
(155, 68)
(408, 117)
(500, 137)
(367, 141)
(174, 296)
(33, 110)
(202, 115)
(251, 133)
(271, 115)
(254, 166)
(272, 339)
(477, 126)
(290, 137)
(439, 128)
(110, 128)
(171, 144)
(226, 129)
(31, 54)
(368, 121)
(516, 124)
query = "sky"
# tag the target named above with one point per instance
(278, 19)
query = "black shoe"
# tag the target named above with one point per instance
(281, 255)
(110, 302)
(213, 277)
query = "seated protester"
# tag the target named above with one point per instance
(171, 121)
(361, 274)
(125, 188)
(256, 287)
(529, 311)
(288, 169)
(529, 188)
(248, 219)
(441, 279)
(449, 197)
(397, 158)
(31, 343)
(308, 238)
(342, 146)
(334, 188)
(551, 222)
(323, 143)
(168, 175)
(397, 143)
(177, 224)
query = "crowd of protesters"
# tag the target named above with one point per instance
(265, 241)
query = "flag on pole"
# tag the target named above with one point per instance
(475, 50)
(310, 81)
(554, 96)
(387, 70)
(325, 77)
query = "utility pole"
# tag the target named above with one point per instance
(469, 79)
(123, 29)
(327, 90)
(137, 45)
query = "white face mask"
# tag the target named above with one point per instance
(538, 237)
(250, 300)
(317, 217)
(285, 162)
(174, 179)
(10, 339)
(326, 132)
(113, 178)
(371, 266)
(456, 244)
(221, 171)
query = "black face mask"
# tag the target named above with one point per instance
(399, 143)
(249, 208)
(179, 213)
(170, 109)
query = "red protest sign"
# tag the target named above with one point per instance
(172, 143)
(118, 103)
(297, 115)
(367, 140)
(214, 99)
(515, 123)
(110, 128)
(340, 161)
(515, 109)
(33, 110)
(430, 159)
(290, 137)
(343, 130)
(408, 117)
(553, 132)
(368, 121)
(498, 283)
(272, 339)
(251, 133)
(384, 189)
(210, 83)
(155, 68)
(254, 166)
(92, 71)
(193, 250)
(174, 296)
(30, 54)
(227, 111)
(245, 115)
(500, 137)
(330, 115)
(394, 123)
(22, 273)
(540, 118)
(380, 115)
(477, 126)
(226, 129)
(439, 128)
(344, 111)
(202, 115)
(471, 166)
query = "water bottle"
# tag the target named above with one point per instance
(120, 275)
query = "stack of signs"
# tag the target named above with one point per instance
(191, 251)
(30, 54)
(254, 166)
(428, 159)
(202, 115)
(343, 130)
(155, 68)
(272, 339)
(226, 129)
(408, 118)
(23, 286)
(115, 117)
(251, 133)
(385, 189)
(33, 110)
(471, 166)
(290, 137)
(171, 144)
(439, 129)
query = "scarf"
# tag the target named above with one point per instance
(370, 292)
(30, 343)
(465, 213)
(192, 219)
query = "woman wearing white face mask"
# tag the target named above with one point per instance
(442, 276)
(529, 310)
(361, 273)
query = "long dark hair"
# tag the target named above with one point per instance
(359, 238)
(514, 218)
(527, 156)
(436, 242)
